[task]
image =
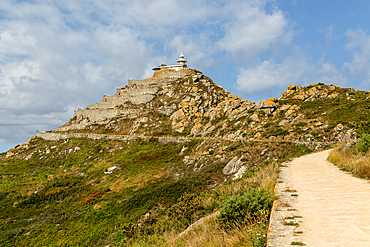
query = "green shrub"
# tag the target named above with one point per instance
(234, 147)
(240, 209)
(277, 132)
(302, 124)
(364, 143)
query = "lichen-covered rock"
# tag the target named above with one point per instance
(178, 115)
(196, 129)
(283, 122)
(257, 135)
(300, 97)
(268, 106)
(287, 93)
(254, 117)
(178, 127)
(338, 127)
(208, 128)
(291, 110)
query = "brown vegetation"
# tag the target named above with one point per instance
(355, 162)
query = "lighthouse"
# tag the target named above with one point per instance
(181, 64)
(181, 61)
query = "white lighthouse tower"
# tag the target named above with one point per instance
(181, 61)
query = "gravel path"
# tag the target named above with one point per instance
(335, 206)
(319, 205)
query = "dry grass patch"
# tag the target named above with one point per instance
(210, 234)
(351, 161)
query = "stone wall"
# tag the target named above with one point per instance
(96, 115)
(59, 136)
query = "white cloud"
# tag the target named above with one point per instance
(359, 68)
(328, 33)
(253, 31)
(329, 73)
(359, 46)
(270, 74)
(53, 61)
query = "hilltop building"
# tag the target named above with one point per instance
(181, 64)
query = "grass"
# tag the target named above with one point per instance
(352, 161)
(61, 196)
(298, 243)
(290, 223)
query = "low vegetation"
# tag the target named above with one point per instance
(135, 193)
(354, 159)
(83, 192)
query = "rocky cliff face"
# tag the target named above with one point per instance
(191, 104)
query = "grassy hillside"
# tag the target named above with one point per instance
(84, 192)
(61, 193)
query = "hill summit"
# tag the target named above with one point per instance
(180, 101)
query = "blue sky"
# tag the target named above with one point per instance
(60, 55)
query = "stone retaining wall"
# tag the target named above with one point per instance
(96, 115)
(52, 136)
(284, 218)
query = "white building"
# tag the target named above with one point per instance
(181, 64)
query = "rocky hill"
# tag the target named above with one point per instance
(191, 104)
(142, 165)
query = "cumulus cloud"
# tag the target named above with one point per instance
(53, 60)
(328, 33)
(359, 46)
(270, 74)
(253, 31)
(329, 73)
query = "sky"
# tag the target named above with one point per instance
(60, 55)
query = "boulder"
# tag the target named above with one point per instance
(110, 170)
(300, 97)
(338, 127)
(240, 172)
(28, 157)
(254, 117)
(318, 124)
(232, 166)
(257, 135)
(268, 106)
(196, 129)
(283, 122)
(264, 151)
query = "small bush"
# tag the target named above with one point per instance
(364, 143)
(240, 209)
(277, 132)
(301, 124)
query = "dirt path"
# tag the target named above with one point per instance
(334, 206)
